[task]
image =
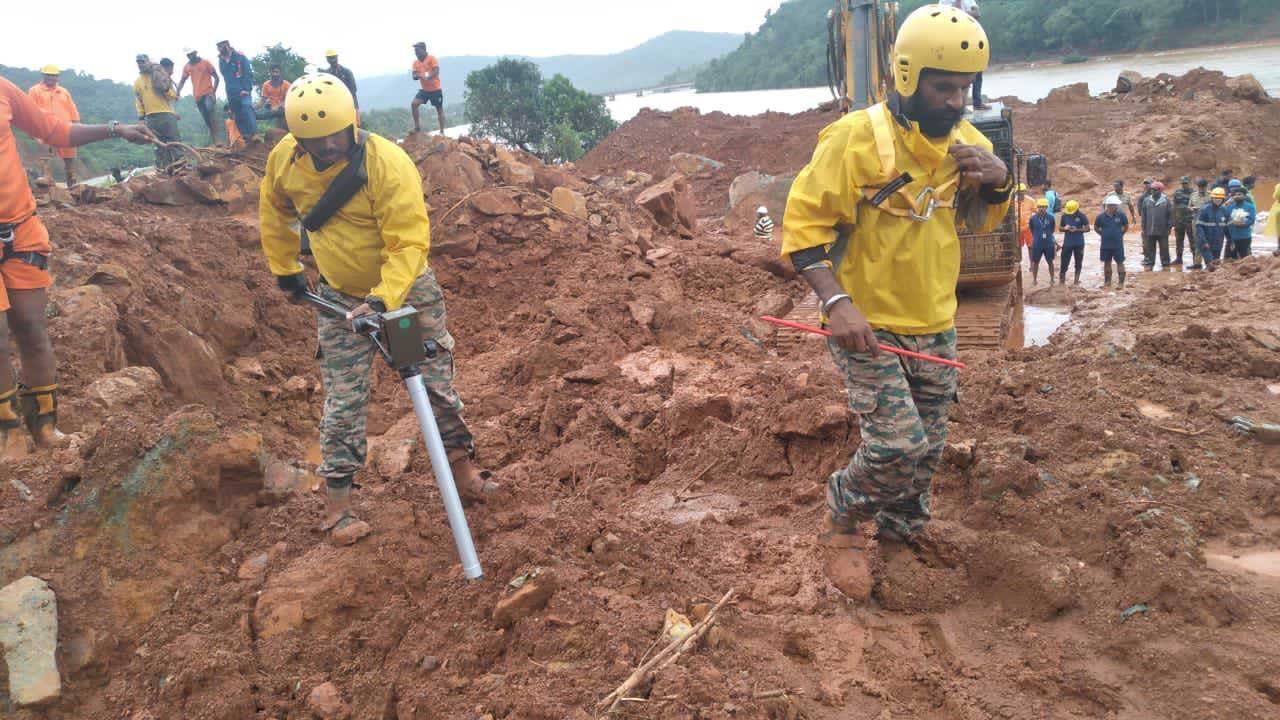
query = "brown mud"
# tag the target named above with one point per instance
(661, 448)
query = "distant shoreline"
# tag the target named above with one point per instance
(1056, 60)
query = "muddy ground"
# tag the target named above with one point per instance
(1106, 538)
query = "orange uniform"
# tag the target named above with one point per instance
(1028, 205)
(201, 75)
(274, 95)
(17, 204)
(423, 67)
(56, 100)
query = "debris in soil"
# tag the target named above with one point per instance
(29, 639)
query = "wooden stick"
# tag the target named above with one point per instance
(668, 655)
(1180, 431)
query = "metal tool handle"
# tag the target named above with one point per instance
(444, 477)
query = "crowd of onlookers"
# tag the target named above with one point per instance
(1209, 222)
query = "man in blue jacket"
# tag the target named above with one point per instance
(1111, 225)
(1241, 215)
(1042, 242)
(1211, 227)
(1073, 224)
(237, 75)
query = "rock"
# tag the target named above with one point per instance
(547, 178)
(690, 164)
(495, 202)
(240, 453)
(124, 388)
(606, 549)
(455, 172)
(516, 173)
(671, 203)
(391, 453)
(166, 191)
(61, 197)
(775, 303)
(631, 177)
(760, 189)
(429, 663)
(689, 407)
(643, 314)
(1073, 178)
(204, 190)
(186, 362)
(296, 386)
(236, 186)
(247, 369)
(1068, 95)
(326, 703)
(29, 638)
(350, 534)
(109, 274)
(254, 569)
(766, 258)
(531, 597)
(86, 327)
(1247, 87)
(1127, 81)
(959, 454)
(811, 418)
(457, 242)
(570, 201)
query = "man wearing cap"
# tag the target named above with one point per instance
(347, 77)
(1126, 200)
(764, 224)
(204, 87)
(154, 95)
(1157, 221)
(1043, 245)
(1196, 203)
(1111, 224)
(1073, 224)
(1242, 214)
(237, 71)
(56, 100)
(1183, 219)
(1146, 193)
(1211, 227)
(426, 70)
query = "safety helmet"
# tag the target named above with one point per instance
(1071, 206)
(1235, 184)
(1022, 187)
(319, 106)
(935, 37)
(1186, 179)
(188, 51)
(330, 53)
(1218, 194)
(1111, 200)
(1042, 203)
(762, 210)
(50, 70)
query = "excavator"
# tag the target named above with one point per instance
(860, 38)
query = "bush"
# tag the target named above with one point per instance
(1074, 59)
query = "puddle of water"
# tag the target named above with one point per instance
(1040, 323)
(1265, 563)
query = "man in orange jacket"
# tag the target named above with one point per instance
(273, 92)
(56, 100)
(24, 279)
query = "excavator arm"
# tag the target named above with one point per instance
(860, 37)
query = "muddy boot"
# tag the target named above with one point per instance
(40, 411)
(340, 521)
(1077, 281)
(474, 484)
(848, 559)
(1120, 271)
(1106, 275)
(13, 445)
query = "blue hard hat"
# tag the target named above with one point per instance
(1235, 184)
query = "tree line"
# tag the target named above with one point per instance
(789, 49)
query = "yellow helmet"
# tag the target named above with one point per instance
(330, 53)
(318, 106)
(50, 70)
(1071, 206)
(1218, 193)
(935, 37)
(1042, 203)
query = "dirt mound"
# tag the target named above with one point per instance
(661, 447)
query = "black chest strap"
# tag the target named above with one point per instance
(343, 187)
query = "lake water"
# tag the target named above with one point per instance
(1028, 82)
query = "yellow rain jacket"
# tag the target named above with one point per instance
(147, 100)
(901, 273)
(377, 244)
(1273, 221)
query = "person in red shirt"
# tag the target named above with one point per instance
(273, 93)
(56, 100)
(426, 70)
(204, 86)
(24, 279)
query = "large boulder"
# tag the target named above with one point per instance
(756, 189)
(671, 203)
(1074, 178)
(690, 164)
(495, 202)
(166, 191)
(570, 201)
(548, 177)
(85, 327)
(516, 173)
(1128, 81)
(186, 362)
(1068, 94)
(455, 172)
(1247, 87)
(29, 639)
(457, 242)
(124, 388)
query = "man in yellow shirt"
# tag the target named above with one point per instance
(372, 254)
(56, 100)
(154, 95)
(871, 225)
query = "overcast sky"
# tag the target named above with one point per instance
(374, 37)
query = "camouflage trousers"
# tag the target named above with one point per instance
(902, 406)
(345, 366)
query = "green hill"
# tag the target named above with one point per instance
(100, 101)
(789, 50)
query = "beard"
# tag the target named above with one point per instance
(933, 123)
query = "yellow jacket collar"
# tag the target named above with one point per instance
(929, 152)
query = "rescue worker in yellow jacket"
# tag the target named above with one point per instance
(871, 225)
(372, 256)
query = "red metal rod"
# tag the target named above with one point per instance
(887, 348)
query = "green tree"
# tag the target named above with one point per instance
(292, 65)
(552, 119)
(503, 100)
